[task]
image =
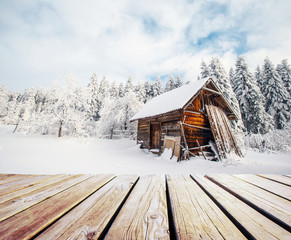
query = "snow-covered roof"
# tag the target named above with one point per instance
(170, 101)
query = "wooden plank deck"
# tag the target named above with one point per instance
(145, 207)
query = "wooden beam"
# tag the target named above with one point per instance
(211, 90)
(200, 113)
(193, 126)
(201, 149)
(204, 146)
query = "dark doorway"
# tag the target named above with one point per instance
(155, 135)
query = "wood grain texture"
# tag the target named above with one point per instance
(271, 186)
(277, 206)
(144, 214)
(18, 204)
(277, 178)
(14, 177)
(23, 183)
(32, 188)
(28, 223)
(89, 219)
(195, 215)
(255, 223)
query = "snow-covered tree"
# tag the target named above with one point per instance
(217, 70)
(26, 108)
(284, 71)
(129, 85)
(4, 98)
(231, 77)
(103, 88)
(65, 112)
(94, 100)
(258, 76)
(113, 92)
(277, 98)
(140, 92)
(250, 99)
(39, 100)
(116, 113)
(148, 90)
(179, 82)
(205, 70)
(121, 90)
(170, 85)
(157, 87)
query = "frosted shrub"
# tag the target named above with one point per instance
(275, 140)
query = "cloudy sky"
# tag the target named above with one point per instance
(42, 41)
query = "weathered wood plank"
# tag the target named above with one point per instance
(23, 183)
(255, 224)
(270, 203)
(144, 214)
(90, 218)
(32, 188)
(14, 177)
(268, 185)
(28, 223)
(277, 178)
(6, 175)
(18, 204)
(195, 215)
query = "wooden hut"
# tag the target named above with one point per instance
(191, 120)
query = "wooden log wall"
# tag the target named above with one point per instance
(195, 115)
(143, 133)
(169, 126)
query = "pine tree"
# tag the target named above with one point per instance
(231, 76)
(148, 90)
(94, 100)
(217, 70)
(284, 71)
(103, 88)
(170, 85)
(258, 77)
(205, 70)
(129, 85)
(250, 99)
(276, 95)
(179, 82)
(121, 90)
(157, 87)
(113, 91)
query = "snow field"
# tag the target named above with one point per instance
(51, 155)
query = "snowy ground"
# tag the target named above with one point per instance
(51, 155)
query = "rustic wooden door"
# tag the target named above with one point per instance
(155, 135)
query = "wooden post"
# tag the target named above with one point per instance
(185, 142)
(111, 133)
(60, 128)
(16, 127)
(200, 148)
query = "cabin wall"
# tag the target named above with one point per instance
(169, 125)
(195, 115)
(143, 133)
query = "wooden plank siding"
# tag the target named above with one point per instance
(217, 206)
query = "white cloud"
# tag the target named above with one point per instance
(41, 41)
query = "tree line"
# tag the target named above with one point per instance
(262, 99)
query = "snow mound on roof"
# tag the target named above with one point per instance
(170, 101)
